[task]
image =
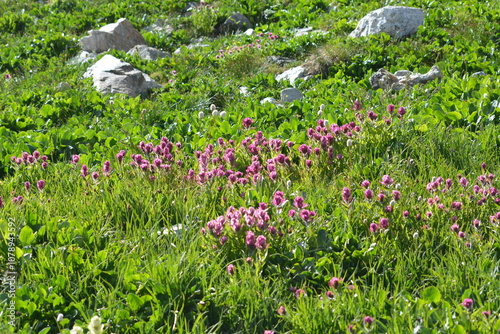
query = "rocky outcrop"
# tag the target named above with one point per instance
(401, 79)
(111, 75)
(395, 21)
(120, 36)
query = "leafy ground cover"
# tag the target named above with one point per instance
(197, 209)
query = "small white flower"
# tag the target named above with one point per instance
(322, 107)
(288, 184)
(95, 326)
(326, 123)
(320, 112)
(415, 235)
(212, 107)
(201, 114)
(222, 114)
(397, 186)
(215, 113)
(60, 317)
(76, 330)
(392, 203)
(349, 142)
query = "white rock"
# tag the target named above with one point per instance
(111, 75)
(401, 79)
(249, 32)
(147, 52)
(293, 74)
(269, 100)
(82, 57)
(120, 36)
(290, 95)
(303, 31)
(395, 21)
(244, 91)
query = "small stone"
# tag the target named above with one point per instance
(269, 100)
(147, 52)
(82, 57)
(280, 61)
(291, 94)
(303, 31)
(244, 91)
(478, 74)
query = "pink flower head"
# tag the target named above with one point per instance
(247, 122)
(461, 234)
(365, 184)
(455, 228)
(261, 242)
(368, 194)
(334, 282)
(291, 213)
(346, 194)
(373, 227)
(367, 320)
(467, 303)
(384, 223)
(40, 184)
(267, 331)
(396, 195)
(391, 108)
(36, 155)
(463, 181)
(298, 202)
(406, 213)
(95, 175)
(250, 240)
(84, 171)
(281, 310)
(75, 158)
(278, 200)
(27, 185)
(401, 112)
(230, 269)
(387, 180)
(300, 292)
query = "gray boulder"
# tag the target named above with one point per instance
(236, 22)
(120, 36)
(147, 52)
(401, 79)
(290, 95)
(395, 21)
(111, 75)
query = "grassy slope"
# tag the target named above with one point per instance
(106, 247)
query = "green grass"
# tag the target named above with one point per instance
(140, 245)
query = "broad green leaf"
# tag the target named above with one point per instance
(431, 294)
(134, 302)
(26, 236)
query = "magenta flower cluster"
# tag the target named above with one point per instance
(31, 159)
